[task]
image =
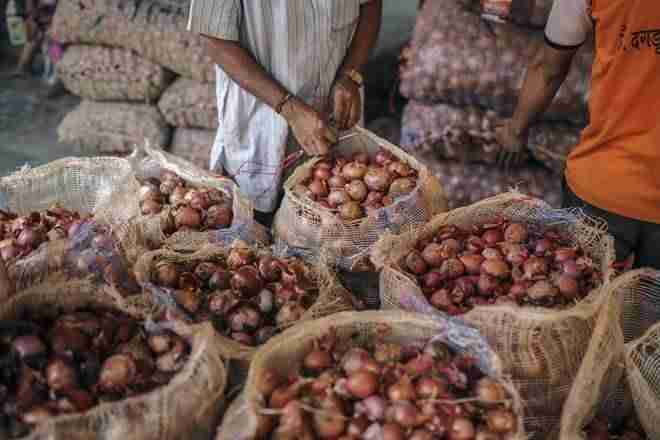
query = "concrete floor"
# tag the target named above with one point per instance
(28, 121)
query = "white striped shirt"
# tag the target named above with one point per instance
(301, 44)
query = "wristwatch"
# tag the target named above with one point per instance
(354, 76)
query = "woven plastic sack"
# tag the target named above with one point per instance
(533, 13)
(601, 387)
(144, 233)
(285, 351)
(86, 185)
(540, 348)
(458, 58)
(332, 297)
(154, 29)
(113, 128)
(187, 407)
(107, 74)
(193, 145)
(468, 134)
(190, 104)
(303, 224)
(468, 183)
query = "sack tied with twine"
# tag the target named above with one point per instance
(540, 348)
(302, 223)
(285, 352)
(188, 407)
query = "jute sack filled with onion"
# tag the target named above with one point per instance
(619, 366)
(248, 293)
(375, 375)
(63, 214)
(185, 207)
(519, 271)
(343, 204)
(79, 398)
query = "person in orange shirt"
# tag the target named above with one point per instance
(614, 172)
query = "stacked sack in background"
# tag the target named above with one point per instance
(462, 75)
(141, 75)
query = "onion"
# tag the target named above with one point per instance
(374, 197)
(322, 173)
(197, 200)
(246, 281)
(219, 216)
(535, 266)
(421, 434)
(383, 157)
(441, 299)
(319, 188)
(501, 421)
(289, 313)
(8, 250)
(238, 257)
(351, 211)
(28, 346)
(189, 299)
(432, 254)
(452, 268)
(541, 290)
(187, 217)
(117, 373)
(174, 360)
(416, 263)
(362, 384)
(150, 192)
(270, 269)
(564, 254)
(317, 360)
(516, 233)
(354, 171)
(372, 407)
(377, 179)
(489, 391)
(151, 207)
(542, 246)
(60, 375)
(29, 238)
(472, 263)
(354, 359)
(337, 181)
(402, 186)
(178, 196)
(487, 284)
(167, 274)
(357, 190)
(402, 390)
(66, 341)
(244, 319)
(338, 197)
(400, 169)
(220, 280)
(570, 268)
(433, 279)
(492, 237)
(361, 157)
(160, 343)
(391, 431)
(496, 268)
(357, 427)
(568, 287)
(490, 253)
(474, 244)
(462, 428)
(404, 413)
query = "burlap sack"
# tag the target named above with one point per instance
(332, 297)
(106, 74)
(468, 183)
(284, 352)
(458, 58)
(113, 128)
(468, 134)
(540, 348)
(86, 185)
(193, 145)
(601, 387)
(190, 104)
(144, 233)
(303, 224)
(154, 29)
(188, 407)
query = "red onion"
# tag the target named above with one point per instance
(246, 281)
(220, 280)
(441, 299)
(289, 313)
(392, 431)
(462, 428)
(351, 211)
(205, 270)
(242, 338)
(571, 268)
(354, 171)
(400, 169)
(452, 268)
(178, 196)
(568, 287)
(187, 217)
(416, 263)
(421, 434)
(501, 421)
(361, 157)
(404, 413)
(27, 346)
(542, 247)
(322, 173)
(516, 233)
(239, 257)
(319, 188)
(490, 253)
(317, 360)
(433, 279)
(472, 263)
(219, 216)
(117, 373)
(383, 157)
(189, 299)
(432, 254)
(160, 343)
(542, 290)
(489, 391)
(535, 266)
(167, 274)
(377, 179)
(29, 238)
(430, 388)
(151, 207)
(492, 237)
(337, 181)
(402, 186)
(372, 407)
(496, 268)
(270, 269)
(8, 250)
(60, 375)
(487, 284)
(338, 197)
(564, 254)
(244, 319)
(402, 390)
(357, 190)
(354, 360)
(150, 192)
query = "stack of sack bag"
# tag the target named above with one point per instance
(142, 77)
(463, 74)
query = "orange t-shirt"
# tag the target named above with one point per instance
(616, 165)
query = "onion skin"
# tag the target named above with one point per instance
(362, 384)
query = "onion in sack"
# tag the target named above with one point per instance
(504, 263)
(344, 391)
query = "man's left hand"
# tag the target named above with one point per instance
(347, 103)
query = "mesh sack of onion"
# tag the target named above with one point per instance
(303, 223)
(61, 218)
(458, 58)
(356, 370)
(497, 265)
(185, 207)
(154, 29)
(618, 361)
(533, 13)
(190, 104)
(111, 74)
(468, 134)
(248, 293)
(193, 145)
(121, 399)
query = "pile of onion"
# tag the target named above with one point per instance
(392, 392)
(21, 235)
(357, 186)
(247, 297)
(503, 263)
(197, 209)
(70, 363)
(630, 429)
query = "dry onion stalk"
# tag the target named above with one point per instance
(503, 263)
(418, 392)
(71, 362)
(247, 296)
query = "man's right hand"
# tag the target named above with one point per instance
(309, 127)
(513, 141)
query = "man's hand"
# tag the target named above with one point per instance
(346, 103)
(309, 127)
(513, 141)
